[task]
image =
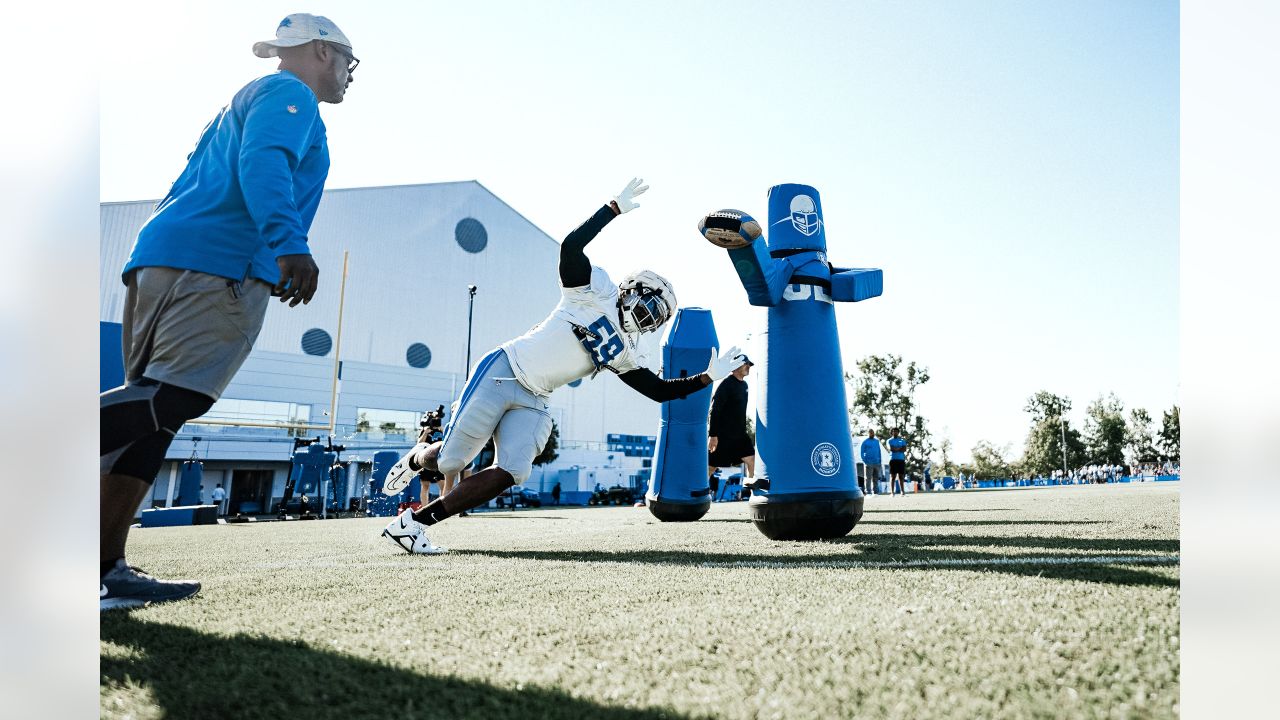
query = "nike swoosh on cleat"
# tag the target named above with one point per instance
(102, 592)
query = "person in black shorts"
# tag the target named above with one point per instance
(727, 441)
(897, 463)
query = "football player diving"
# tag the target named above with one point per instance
(596, 326)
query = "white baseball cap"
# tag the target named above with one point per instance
(297, 29)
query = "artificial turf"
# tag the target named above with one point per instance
(1027, 602)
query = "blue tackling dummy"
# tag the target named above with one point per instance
(805, 484)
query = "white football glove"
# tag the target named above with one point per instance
(627, 198)
(729, 360)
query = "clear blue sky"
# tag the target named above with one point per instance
(1012, 166)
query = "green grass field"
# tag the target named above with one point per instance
(1036, 602)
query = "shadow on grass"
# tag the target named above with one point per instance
(895, 512)
(196, 675)
(501, 515)
(947, 551)
(869, 511)
(966, 523)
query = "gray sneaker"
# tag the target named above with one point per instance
(125, 586)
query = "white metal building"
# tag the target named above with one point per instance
(412, 252)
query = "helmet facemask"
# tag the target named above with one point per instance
(645, 301)
(642, 309)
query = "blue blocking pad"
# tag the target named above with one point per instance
(856, 284)
(679, 489)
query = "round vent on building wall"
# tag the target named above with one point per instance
(418, 355)
(471, 235)
(316, 342)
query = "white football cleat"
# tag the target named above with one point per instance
(402, 473)
(410, 535)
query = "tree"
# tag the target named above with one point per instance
(1049, 428)
(1171, 435)
(549, 453)
(948, 467)
(989, 461)
(884, 398)
(1139, 439)
(1044, 405)
(1104, 430)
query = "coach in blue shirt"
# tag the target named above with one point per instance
(897, 463)
(871, 467)
(231, 232)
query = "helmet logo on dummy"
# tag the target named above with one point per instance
(825, 459)
(804, 215)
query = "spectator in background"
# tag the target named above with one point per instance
(728, 443)
(870, 453)
(218, 496)
(897, 463)
(928, 480)
(555, 493)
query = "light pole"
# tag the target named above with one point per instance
(471, 301)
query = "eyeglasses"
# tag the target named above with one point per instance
(352, 60)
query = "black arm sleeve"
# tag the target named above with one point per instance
(645, 382)
(575, 268)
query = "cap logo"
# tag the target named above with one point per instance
(322, 32)
(285, 23)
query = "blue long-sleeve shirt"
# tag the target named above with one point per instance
(870, 451)
(250, 189)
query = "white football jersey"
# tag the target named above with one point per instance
(580, 337)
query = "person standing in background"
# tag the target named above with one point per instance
(870, 453)
(728, 443)
(219, 495)
(897, 463)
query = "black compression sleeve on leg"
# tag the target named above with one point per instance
(129, 413)
(175, 406)
(125, 415)
(144, 457)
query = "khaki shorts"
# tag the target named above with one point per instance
(188, 328)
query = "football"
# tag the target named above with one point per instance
(729, 229)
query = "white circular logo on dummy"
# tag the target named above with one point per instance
(825, 459)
